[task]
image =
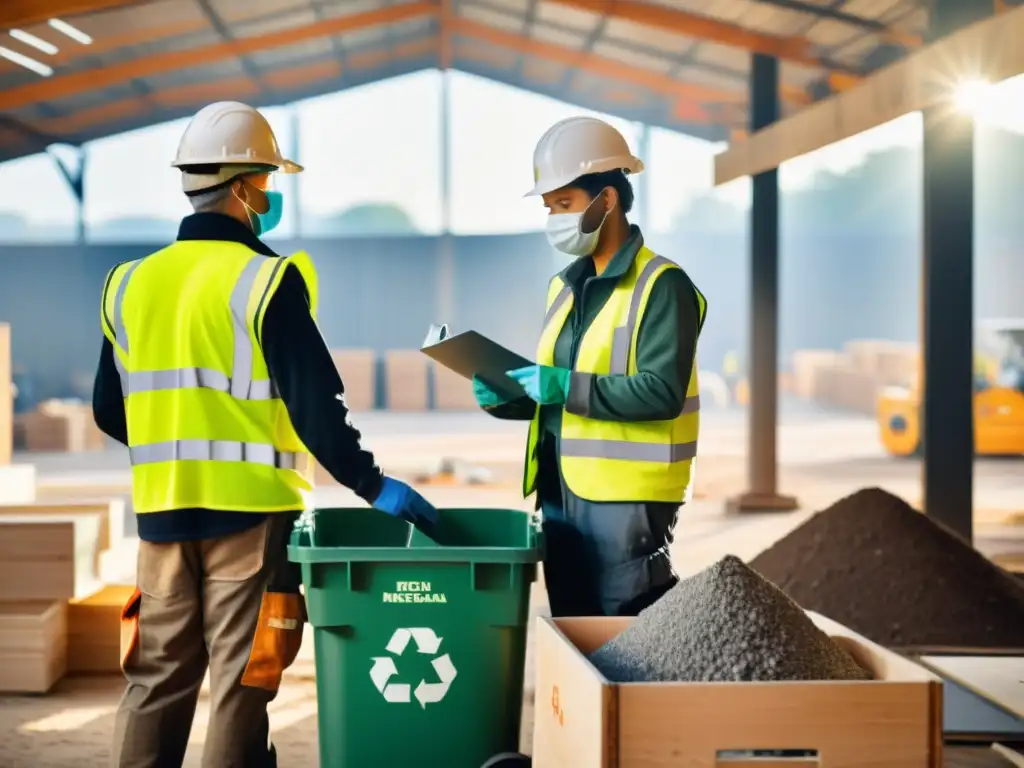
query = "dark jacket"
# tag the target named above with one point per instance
(302, 368)
(666, 346)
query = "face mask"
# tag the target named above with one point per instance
(262, 223)
(565, 232)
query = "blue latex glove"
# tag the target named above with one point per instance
(399, 500)
(485, 396)
(543, 383)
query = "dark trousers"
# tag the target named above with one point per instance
(602, 558)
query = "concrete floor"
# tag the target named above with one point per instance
(823, 456)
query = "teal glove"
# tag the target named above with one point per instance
(543, 383)
(485, 396)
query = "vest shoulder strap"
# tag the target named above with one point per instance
(268, 280)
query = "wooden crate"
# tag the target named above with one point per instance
(48, 558)
(358, 371)
(17, 484)
(33, 645)
(405, 372)
(6, 397)
(61, 427)
(584, 721)
(452, 391)
(111, 513)
(94, 631)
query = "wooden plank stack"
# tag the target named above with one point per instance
(358, 370)
(49, 555)
(406, 372)
(452, 392)
(61, 426)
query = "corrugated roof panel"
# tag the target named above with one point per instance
(798, 75)
(410, 27)
(854, 51)
(633, 58)
(701, 76)
(558, 36)
(336, 8)
(520, 7)
(759, 17)
(153, 14)
(265, 25)
(239, 11)
(485, 53)
(207, 36)
(80, 102)
(277, 57)
(492, 18)
(828, 33)
(723, 56)
(871, 9)
(585, 21)
(221, 70)
(543, 72)
(368, 36)
(641, 34)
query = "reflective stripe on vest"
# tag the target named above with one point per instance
(212, 450)
(622, 341)
(239, 385)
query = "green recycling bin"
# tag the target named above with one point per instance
(420, 646)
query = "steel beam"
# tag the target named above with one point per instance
(947, 407)
(987, 49)
(762, 464)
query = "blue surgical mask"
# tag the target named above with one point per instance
(265, 222)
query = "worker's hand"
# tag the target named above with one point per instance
(398, 499)
(486, 396)
(543, 383)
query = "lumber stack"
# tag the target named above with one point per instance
(44, 562)
(452, 392)
(61, 426)
(851, 379)
(406, 376)
(358, 371)
(93, 631)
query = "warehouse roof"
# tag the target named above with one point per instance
(679, 64)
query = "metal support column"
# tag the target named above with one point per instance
(762, 467)
(295, 153)
(643, 182)
(74, 175)
(947, 408)
(446, 256)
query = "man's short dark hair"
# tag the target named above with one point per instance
(593, 183)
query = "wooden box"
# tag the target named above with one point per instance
(33, 645)
(6, 397)
(585, 721)
(111, 513)
(405, 372)
(94, 630)
(17, 484)
(48, 558)
(358, 371)
(452, 392)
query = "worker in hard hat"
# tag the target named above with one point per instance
(613, 400)
(214, 374)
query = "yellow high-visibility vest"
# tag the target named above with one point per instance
(610, 460)
(206, 426)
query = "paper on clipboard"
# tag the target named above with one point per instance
(472, 354)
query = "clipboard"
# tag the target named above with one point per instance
(472, 354)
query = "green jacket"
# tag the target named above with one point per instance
(665, 353)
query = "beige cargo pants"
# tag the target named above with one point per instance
(208, 604)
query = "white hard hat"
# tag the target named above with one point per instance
(228, 134)
(575, 147)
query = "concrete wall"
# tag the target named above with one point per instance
(383, 293)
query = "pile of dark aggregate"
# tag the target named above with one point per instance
(875, 564)
(726, 623)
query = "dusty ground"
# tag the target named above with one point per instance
(823, 457)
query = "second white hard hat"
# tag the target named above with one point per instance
(228, 134)
(578, 146)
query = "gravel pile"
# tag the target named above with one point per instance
(726, 623)
(875, 564)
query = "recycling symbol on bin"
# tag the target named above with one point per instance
(384, 668)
